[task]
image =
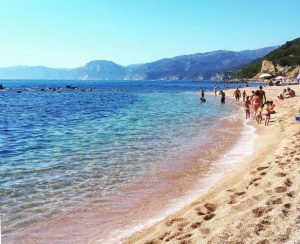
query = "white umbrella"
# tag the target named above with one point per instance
(265, 75)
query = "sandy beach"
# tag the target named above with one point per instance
(257, 202)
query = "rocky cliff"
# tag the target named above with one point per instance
(284, 61)
(276, 69)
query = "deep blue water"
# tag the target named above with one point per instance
(64, 146)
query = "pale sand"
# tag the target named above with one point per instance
(257, 202)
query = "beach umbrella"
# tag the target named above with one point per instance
(265, 75)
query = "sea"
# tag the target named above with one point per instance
(95, 161)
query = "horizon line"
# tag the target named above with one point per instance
(76, 67)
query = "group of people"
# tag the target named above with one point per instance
(286, 93)
(221, 93)
(258, 103)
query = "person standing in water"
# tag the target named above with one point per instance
(202, 94)
(244, 96)
(247, 107)
(237, 94)
(215, 89)
(222, 94)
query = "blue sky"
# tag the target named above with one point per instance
(69, 33)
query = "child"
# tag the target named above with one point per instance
(259, 114)
(215, 89)
(272, 106)
(244, 96)
(247, 107)
(268, 114)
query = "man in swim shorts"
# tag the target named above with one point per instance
(262, 95)
(237, 94)
(222, 94)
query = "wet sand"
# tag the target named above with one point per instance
(257, 202)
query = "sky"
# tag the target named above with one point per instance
(70, 33)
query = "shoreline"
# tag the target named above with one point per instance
(214, 174)
(232, 200)
(51, 226)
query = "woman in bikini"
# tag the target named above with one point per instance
(256, 102)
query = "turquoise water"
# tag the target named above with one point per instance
(60, 148)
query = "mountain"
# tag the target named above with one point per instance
(284, 60)
(210, 65)
(200, 66)
(100, 70)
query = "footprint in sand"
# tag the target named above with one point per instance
(200, 213)
(187, 236)
(173, 236)
(280, 189)
(240, 193)
(210, 207)
(205, 231)
(260, 211)
(280, 174)
(274, 201)
(282, 165)
(288, 182)
(261, 226)
(254, 180)
(164, 235)
(181, 226)
(262, 168)
(285, 212)
(172, 221)
(209, 216)
(195, 225)
(291, 194)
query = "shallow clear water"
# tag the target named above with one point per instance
(58, 149)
